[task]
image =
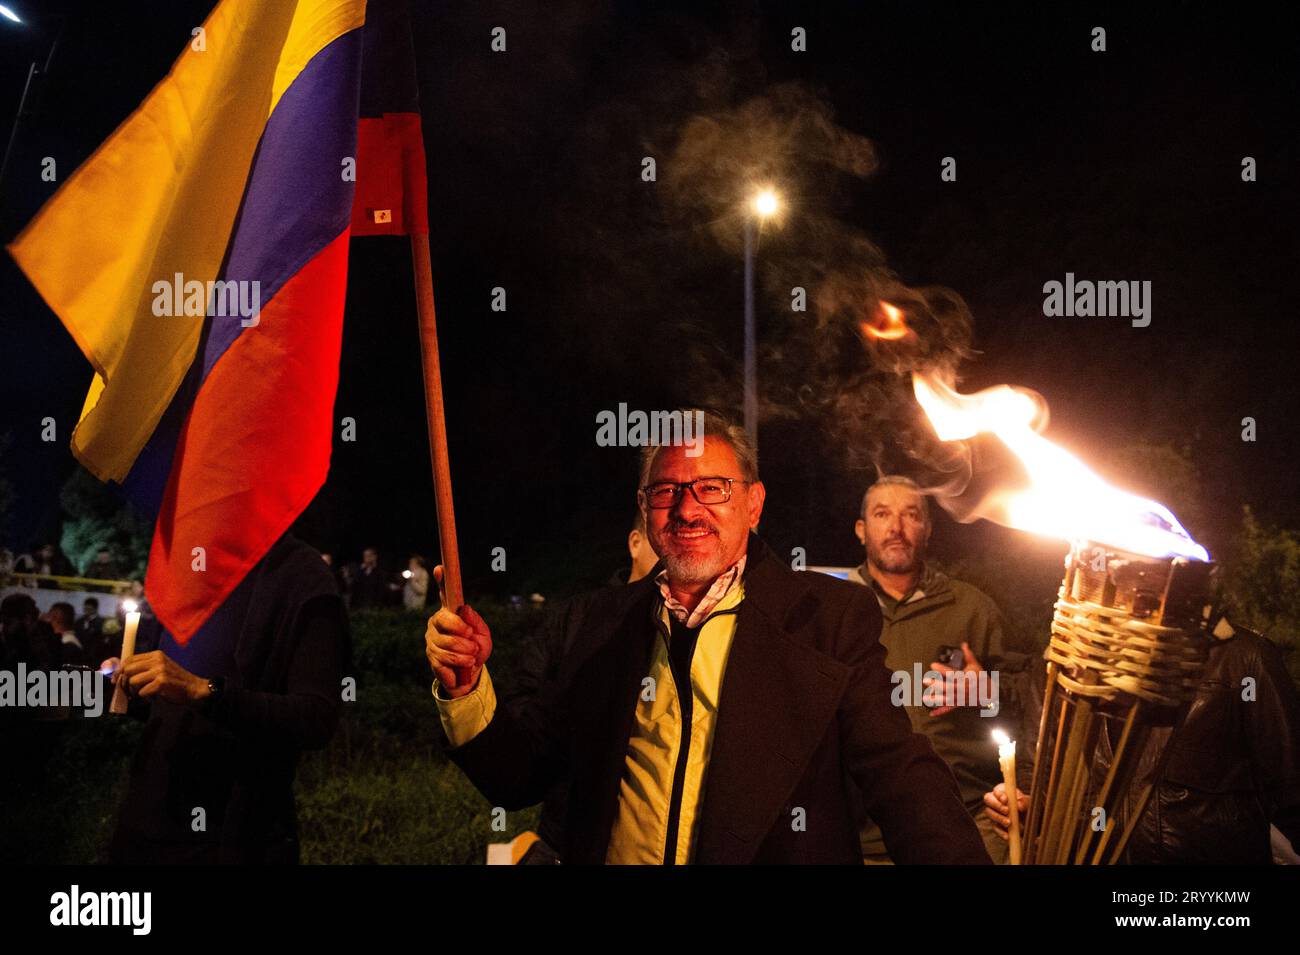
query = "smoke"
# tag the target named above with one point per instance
(816, 363)
(786, 139)
(648, 273)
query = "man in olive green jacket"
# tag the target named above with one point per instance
(925, 610)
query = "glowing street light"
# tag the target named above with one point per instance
(766, 203)
(762, 207)
(9, 14)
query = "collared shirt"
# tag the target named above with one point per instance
(716, 592)
(645, 792)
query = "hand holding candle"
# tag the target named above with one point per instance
(128, 650)
(1007, 761)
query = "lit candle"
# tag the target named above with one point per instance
(1007, 760)
(128, 651)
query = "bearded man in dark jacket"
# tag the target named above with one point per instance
(925, 611)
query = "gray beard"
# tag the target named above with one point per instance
(692, 570)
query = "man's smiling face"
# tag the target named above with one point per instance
(699, 541)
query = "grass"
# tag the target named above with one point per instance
(383, 792)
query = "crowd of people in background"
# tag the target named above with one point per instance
(49, 560)
(374, 582)
(60, 637)
(371, 581)
(66, 635)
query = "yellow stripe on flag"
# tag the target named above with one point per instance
(159, 197)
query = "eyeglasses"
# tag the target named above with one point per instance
(710, 490)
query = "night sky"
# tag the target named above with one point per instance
(1122, 165)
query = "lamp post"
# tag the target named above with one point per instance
(35, 74)
(763, 206)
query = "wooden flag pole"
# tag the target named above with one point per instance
(434, 413)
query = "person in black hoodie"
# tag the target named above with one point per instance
(229, 713)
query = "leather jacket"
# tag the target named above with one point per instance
(1234, 765)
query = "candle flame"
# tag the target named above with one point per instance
(1001, 738)
(130, 606)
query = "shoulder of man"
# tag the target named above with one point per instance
(1245, 652)
(834, 616)
(567, 618)
(588, 618)
(971, 598)
(828, 587)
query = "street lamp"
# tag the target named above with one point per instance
(35, 73)
(764, 204)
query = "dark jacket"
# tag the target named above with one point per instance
(371, 589)
(90, 631)
(281, 640)
(943, 611)
(539, 666)
(1232, 769)
(805, 716)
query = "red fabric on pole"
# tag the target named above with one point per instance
(255, 448)
(392, 188)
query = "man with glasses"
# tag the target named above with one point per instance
(669, 762)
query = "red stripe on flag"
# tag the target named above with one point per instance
(392, 195)
(255, 448)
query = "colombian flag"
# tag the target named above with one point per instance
(199, 260)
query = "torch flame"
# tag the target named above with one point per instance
(1064, 497)
(890, 326)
